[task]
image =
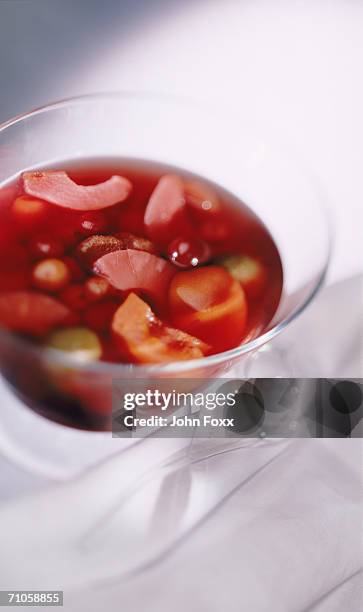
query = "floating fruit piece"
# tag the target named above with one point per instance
(201, 198)
(94, 247)
(44, 245)
(29, 211)
(31, 313)
(188, 252)
(130, 241)
(57, 188)
(210, 304)
(248, 271)
(96, 288)
(50, 275)
(143, 338)
(80, 343)
(75, 297)
(92, 223)
(166, 213)
(98, 315)
(132, 270)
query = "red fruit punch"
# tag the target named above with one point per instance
(57, 188)
(132, 270)
(166, 214)
(31, 313)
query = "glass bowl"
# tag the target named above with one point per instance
(213, 144)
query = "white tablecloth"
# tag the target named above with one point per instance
(286, 535)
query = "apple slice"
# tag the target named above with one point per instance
(166, 214)
(57, 188)
(142, 338)
(31, 313)
(132, 270)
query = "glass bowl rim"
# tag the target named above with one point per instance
(104, 367)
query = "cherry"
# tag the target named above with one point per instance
(43, 245)
(188, 252)
(96, 288)
(92, 223)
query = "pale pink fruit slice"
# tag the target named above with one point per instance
(31, 313)
(57, 188)
(132, 270)
(166, 214)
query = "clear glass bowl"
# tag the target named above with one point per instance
(177, 132)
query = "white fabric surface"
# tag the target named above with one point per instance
(289, 538)
(259, 525)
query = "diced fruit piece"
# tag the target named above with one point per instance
(94, 247)
(75, 297)
(166, 213)
(57, 188)
(80, 343)
(31, 313)
(50, 275)
(44, 245)
(92, 223)
(96, 288)
(201, 198)
(132, 270)
(29, 211)
(248, 271)
(130, 241)
(210, 304)
(188, 252)
(143, 338)
(98, 315)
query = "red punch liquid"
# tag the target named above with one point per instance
(179, 269)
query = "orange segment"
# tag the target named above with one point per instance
(209, 304)
(143, 338)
